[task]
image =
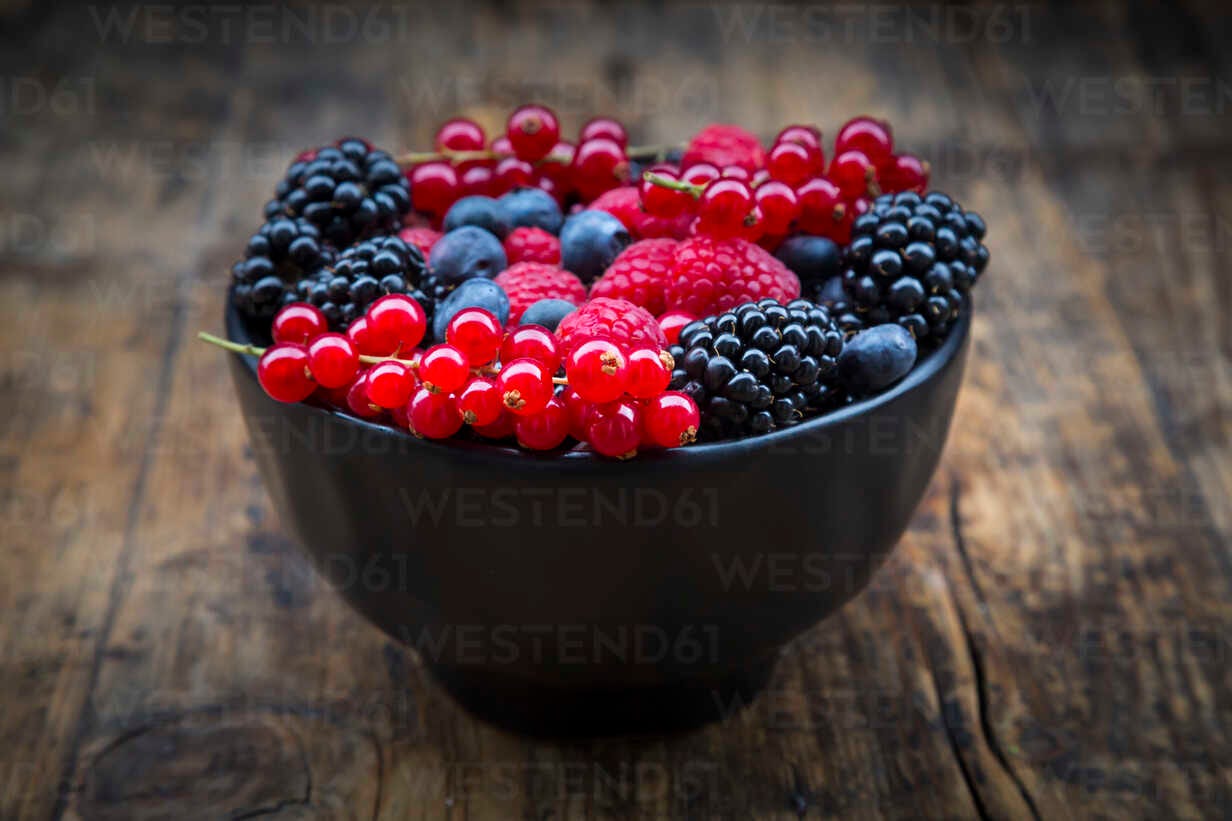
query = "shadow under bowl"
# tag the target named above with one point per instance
(565, 594)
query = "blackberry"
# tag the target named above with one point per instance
(912, 260)
(361, 274)
(758, 367)
(282, 252)
(349, 191)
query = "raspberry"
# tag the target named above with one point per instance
(625, 204)
(640, 274)
(710, 276)
(526, 283)
(724, 145)
(529, 244)
(618, 320)
(421, 237)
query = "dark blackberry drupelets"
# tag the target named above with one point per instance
(759, 366)
(282, 252)
(349, 191)
(363, 273)
(912, 260)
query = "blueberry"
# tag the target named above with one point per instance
(876, 358)
(814, 259)
(484, 212)
(467, 252)
(590, 241)
(532, 207)
(831, 291)
(473, 293)
(547, 312)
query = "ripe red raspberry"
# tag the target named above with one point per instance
(422, 238)
(640, 274)
(625, 204)
(709, 276)
(724, 145)
(527, 244)
(525, 283)
(618, 320)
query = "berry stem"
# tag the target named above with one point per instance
(676, 185)
(412, 158)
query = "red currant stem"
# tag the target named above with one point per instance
(227, 344)
(411, 158)
(676, 185)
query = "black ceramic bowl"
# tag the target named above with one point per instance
(567, 594)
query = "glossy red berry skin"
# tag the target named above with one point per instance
(597, 371)
(476, 333)
(299, 322)
(870, 137)
(357, 399)
(903, 173)
(724, 208)
(615, 429)
(478, 180)
(283, 372)
(502, 428)
(502, 147)
(366, 342)
(779, 206)
(821, 206)
(701, 174)
(525, 386)
(532, 342)
(431, 415)
(480, 402)
(546, 429)
(736, 172)
(460, 134)
(671, 419)
(578, 412)
(558, 168)
(852, 172)
(333, 360)
(790, 163)
(649, 372)
(390, 384)
(673, 322)
(532, 131)
(607, 128)
(436, 186)
(396, 321)
(444, 368)
(511, 173)
(599, 165)
(808, 136)
(661, 201)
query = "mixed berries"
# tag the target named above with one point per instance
(554, 292)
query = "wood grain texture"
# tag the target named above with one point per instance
(1049, 639)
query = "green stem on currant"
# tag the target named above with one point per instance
(675, 185)
(411, 158)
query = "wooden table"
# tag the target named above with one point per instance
(1050, 638)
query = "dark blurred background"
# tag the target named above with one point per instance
(1050, 637)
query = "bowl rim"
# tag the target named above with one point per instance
(924, 371)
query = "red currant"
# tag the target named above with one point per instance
(779, 206)
(599, 165)
(283, 371)
(357, 399)
(525, 386)
(546, 429)
(397, 321)
(607, 128)
(460, 134)
(299, 322)
(478, 181)
(433, 415)
(903, 173)
(436, 187)
(808, 136)
(868, 136)
(333, 360)
(701, 174)
(671, 419)
(649, 373)
(390, 384)
(821, 206)
(579, 413)
(557, 166)
(480, 402)
(476, 333)
(661, 201)
(724, 208)
(502, 428)
(511, 173)
(444, 368)
(736, 172)
(502, 147)
(615, 429)
(790, 163)
(597, 370)
(852, 172)
(532, 342)
(366, 342)
(841, 232)
(673, 322)
(533, 130)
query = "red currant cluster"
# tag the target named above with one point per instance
(500, 384)
(791, 190)
(529, 154)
